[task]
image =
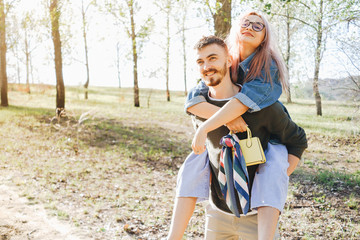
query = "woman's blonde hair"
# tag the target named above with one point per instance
(265, 53)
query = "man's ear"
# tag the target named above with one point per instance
(229, 60)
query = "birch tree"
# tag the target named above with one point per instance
(284, 11)
(125, 12)
(320, 17)
(166, 7)
(84, 9)
(181, 17)
(348, 43)
(29, 27)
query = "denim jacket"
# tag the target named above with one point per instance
(255, 94)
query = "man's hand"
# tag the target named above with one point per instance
(198, 143)
(237, 125)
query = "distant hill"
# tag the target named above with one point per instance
(330, 89)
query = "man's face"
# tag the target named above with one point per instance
(213, 64)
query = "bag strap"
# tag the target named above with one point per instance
(249, 136)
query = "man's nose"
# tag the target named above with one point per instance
(206, 66)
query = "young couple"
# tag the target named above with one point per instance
(241, 83)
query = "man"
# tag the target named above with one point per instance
(214, 62)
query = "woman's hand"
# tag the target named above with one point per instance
(198, 143)
(237, 125)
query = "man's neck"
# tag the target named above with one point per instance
(245, 52)
(226, 89)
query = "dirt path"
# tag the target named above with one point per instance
(21, 221)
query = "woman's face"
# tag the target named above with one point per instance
(249, 36)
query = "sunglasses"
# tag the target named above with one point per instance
(256, 26)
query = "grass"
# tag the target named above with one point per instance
(114, 174)
(330, 179)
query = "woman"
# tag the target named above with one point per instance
(262, 73)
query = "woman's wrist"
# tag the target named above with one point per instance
(204, 128)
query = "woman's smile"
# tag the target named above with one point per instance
(248, 34)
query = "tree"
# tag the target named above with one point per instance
(283, 10)
(118, 62)
(349, 46)
(168, 12)
(166, 7)
(55, 33)
(288, 49)
(181, 19)
(221, 14)
(320, 17)
(125, 15)
(27, 57)
(28, 25)
(13, 39)
(3, 74)
(84, 29)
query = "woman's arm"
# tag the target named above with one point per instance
(231, 110)
(203, 110)
(227, 113)
(293, 162)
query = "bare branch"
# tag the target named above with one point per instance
(208, 4)
(297, 19)
(350, 58)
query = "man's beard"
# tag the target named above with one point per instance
(212, 81)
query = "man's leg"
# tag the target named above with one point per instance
(183, 210)
(219, 225)
(248, 228)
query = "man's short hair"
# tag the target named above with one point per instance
(208, 40)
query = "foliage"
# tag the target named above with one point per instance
(121, 13)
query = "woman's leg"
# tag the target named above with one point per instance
(183, 210)
(269, 190)
(267, 222)
(192, 186)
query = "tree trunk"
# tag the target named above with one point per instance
(31, 69)
(288, 50)
(184, 50)
(134, 51)
(60, 89)
(27, 59)
(17, 69)
(222, 18)
(86, 85)
(3, 74)
(118, 62)
(168, 11)
(317, 62)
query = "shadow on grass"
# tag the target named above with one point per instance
(151, 144)
(156, 146)
(21, 110)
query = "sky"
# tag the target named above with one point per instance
(103, 37)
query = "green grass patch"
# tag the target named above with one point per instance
(332, 178)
